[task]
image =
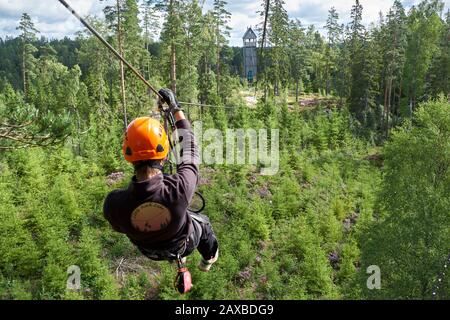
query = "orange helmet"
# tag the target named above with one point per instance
(145, 139)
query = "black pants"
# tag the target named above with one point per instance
(202, 238)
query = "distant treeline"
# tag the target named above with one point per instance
(66, 52)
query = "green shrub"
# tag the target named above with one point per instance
(413, 229)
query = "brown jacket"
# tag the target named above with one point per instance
(173, 192)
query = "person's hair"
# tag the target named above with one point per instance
(148, 164)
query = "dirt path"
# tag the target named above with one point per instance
(306, 101)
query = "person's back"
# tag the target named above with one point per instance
(153, 210)
(164, 199)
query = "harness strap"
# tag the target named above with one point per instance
(168, 254)
(178, 250)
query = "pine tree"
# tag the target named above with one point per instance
(439, 75)
(377, 120)
(373, 66)
(424, 24)
(207, 81)
(334, 33)
(172, 34)
(189, 52)
(133, 30)
(318, 61)
(334, 29)
(344, 71)
(362, 91)
(150, 28)
(222, 32)
(394, 59)
(150, 23)
(356, 47)
(278, 38)
(98, 64)
(134, 49)
(27, 36)
(114, 17)
(298, 54)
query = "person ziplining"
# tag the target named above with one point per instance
(153, 212)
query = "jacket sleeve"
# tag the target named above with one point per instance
(108, 212)
(188, 166)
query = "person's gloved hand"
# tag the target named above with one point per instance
(171, 100)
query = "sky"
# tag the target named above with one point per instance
(54, 21)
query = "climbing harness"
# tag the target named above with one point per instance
(168, 254)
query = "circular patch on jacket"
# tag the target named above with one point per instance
(150, 216)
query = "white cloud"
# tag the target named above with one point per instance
(292, 5)
(55, 21)
(312, 12)
(319, 9)
(239, 24)
(46, 9)
(240, 20)
(308, 11)
(371, 8)
(49, 16)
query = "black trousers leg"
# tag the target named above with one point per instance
(203, 239)
(208, 242)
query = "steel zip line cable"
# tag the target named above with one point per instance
(205, 105)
